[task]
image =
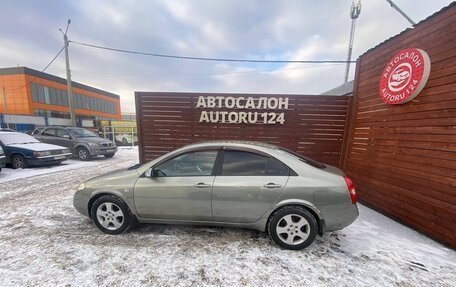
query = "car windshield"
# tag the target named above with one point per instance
(17, 138)
(82, 133)
(305, 159)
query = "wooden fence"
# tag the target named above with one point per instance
(403, 157)
(313, 125)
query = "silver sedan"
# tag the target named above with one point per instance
(225, 183)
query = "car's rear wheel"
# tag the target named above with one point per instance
(111, 215)
(18, 161)
(83, 154)
(292, 227)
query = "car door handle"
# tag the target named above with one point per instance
(272, 185)
(202, 185)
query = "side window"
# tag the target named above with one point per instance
(63, 134)
(199, 163)
(36, 131)
(242, 163)
(50, 132)
(276, 168)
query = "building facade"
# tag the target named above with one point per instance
(24, 91)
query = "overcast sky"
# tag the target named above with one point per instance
(258, 29)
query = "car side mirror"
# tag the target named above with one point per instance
(150, 173)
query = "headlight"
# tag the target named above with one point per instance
(66, 151)
(41, 153)
(81, 186)
(93, 145)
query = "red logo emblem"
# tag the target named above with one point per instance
(404, 76)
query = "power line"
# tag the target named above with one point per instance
(204, 74)
(209, 59)
(45, 68)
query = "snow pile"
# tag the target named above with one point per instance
(44, 241)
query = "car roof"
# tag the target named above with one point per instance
(233, 142)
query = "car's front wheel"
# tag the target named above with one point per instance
(83, 154)
(111, 215)
(18, 161)
(292, 227)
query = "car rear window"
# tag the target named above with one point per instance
(305, 159)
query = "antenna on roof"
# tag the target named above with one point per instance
(355, 10)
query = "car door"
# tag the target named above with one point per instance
(247, 186)
(63, 138)
(179, 188)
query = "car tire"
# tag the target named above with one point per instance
(111, 215)
(292, 227)
(109, 155)
(18, 161)
(83, 154)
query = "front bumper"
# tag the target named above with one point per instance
(81, 203)
(103, 151)
(2, 161)
(46, 160)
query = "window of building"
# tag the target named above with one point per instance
(48, 95)
(52, 96)
(34, 90)
(64, 96)
(40, 92)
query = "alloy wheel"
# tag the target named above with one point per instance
(110, 216)
(293, 229)
(82, 154)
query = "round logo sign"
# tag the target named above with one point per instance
(404, 76)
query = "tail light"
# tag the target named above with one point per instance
(351, 189)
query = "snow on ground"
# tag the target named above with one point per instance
(44, 241)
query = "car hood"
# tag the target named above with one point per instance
(93, 140)
(116, 178)
(37, 146)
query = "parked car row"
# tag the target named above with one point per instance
(50, 146)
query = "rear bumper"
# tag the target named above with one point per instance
(339, 216)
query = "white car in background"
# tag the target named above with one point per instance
(126, 138)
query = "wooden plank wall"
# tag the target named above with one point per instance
(314, 125)
(403, 157)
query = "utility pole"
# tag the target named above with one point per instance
(355, 10)
(400, 11)
(68, 73)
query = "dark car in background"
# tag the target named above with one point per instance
(22, 150)
(2, 159)
(83, 143)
